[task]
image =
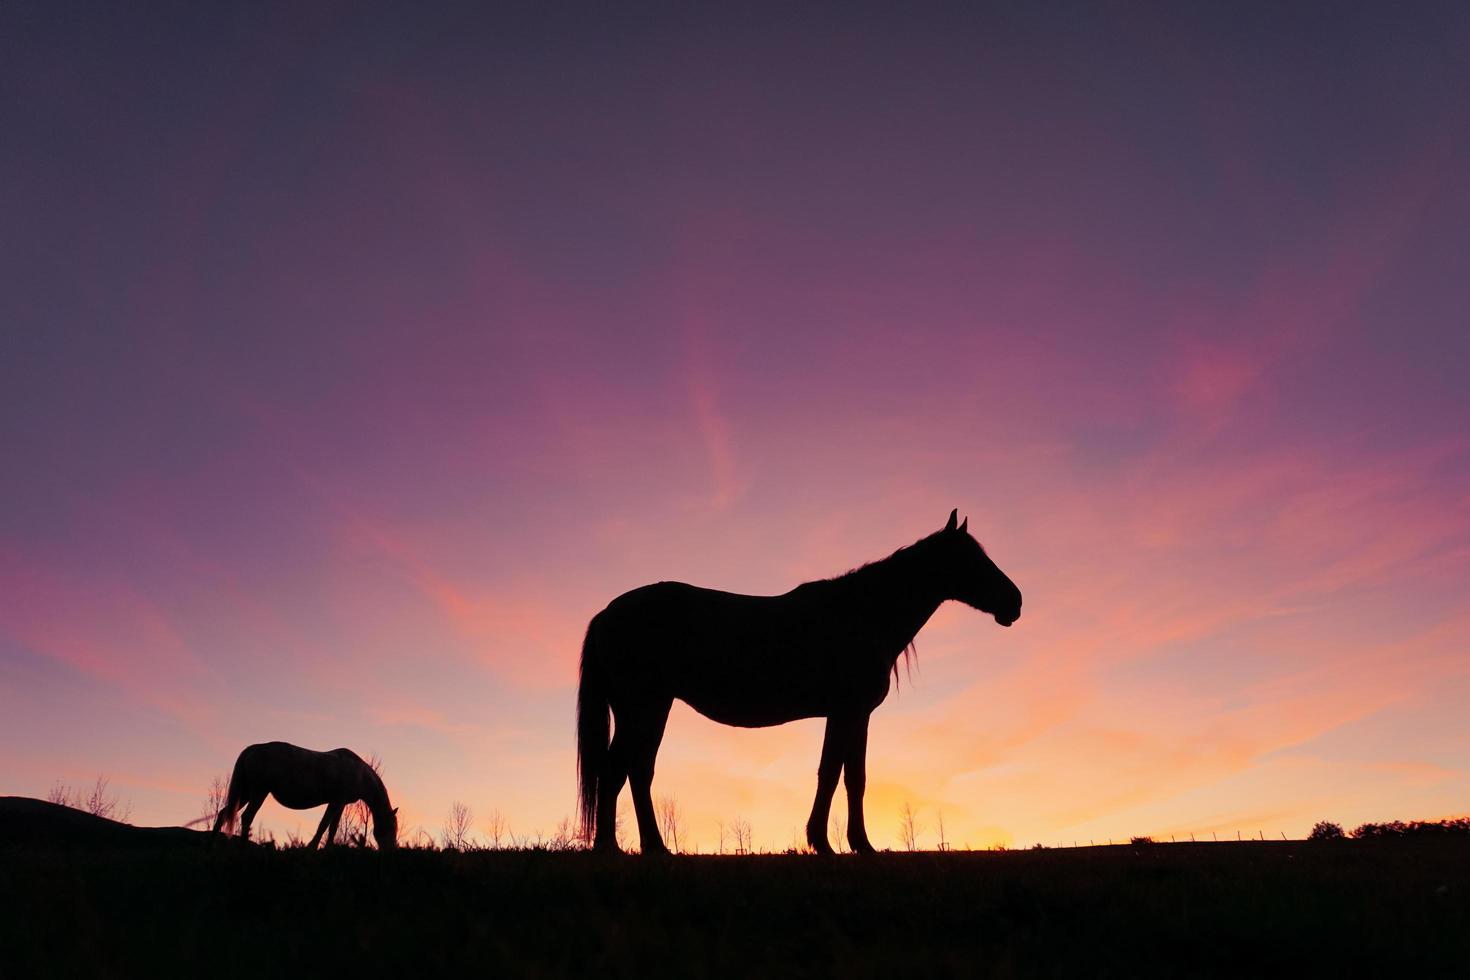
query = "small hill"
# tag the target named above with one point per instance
(27, 822)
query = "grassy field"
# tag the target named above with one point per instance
(1354, 907)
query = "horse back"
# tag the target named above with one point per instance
(297, 777)
(739, 659)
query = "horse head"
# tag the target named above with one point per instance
(969, 576)
(385, 830)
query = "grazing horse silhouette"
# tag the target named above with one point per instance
(823, 650)
(301, 779)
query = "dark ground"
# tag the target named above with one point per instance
(1397, 907)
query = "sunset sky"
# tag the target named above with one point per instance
(355, 357)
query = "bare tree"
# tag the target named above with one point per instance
(456, 833)
(96, 801)
(740, 830)
(669, 822)
(565, 838)
(839, 835)
(103, 804)
(721, 825)
(214, 801)
(908, 827)
(943, 844)
(496, 829)
(353, 827)
(620, 829)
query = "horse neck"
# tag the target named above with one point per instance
(374, 793)
(898, 594)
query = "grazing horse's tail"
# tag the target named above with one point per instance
(592, 729)
(233, 800)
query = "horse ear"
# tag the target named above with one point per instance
(395, 811)
(954, 516)
(965, 525)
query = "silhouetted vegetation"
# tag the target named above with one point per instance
(99, 801)
(1378, 907)
(214, 800)
(1457, 826)
(741, 833)
(497, 830)
(1326, 830)
(670, 823)
(908, 827)
(457, 825)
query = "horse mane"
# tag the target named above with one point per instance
(374, 777)
(878, 575)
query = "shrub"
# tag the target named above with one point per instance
(96, 801)
(1414, 828)
(1393, 828)
(1326, 830)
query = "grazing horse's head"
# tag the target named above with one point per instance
(385, 830)
(971, 577)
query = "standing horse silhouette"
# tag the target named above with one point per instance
(301, 779)
(823, 650)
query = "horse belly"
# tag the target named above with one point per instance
(296, 799)
(304, 788)
(755, 713)
(756, 695)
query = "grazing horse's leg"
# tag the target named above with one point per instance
(855, 778)
(644, 736)
(321, 828)
(251, 809)
(609, 785)
(834, 749)
(335, 812)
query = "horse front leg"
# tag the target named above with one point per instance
(834, 749)
(855, 778)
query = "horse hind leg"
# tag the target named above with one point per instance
(226, 814)
(609, 784)
(645, 733)
(251, 809)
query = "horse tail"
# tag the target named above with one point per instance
(234, 799)
(592, 728)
